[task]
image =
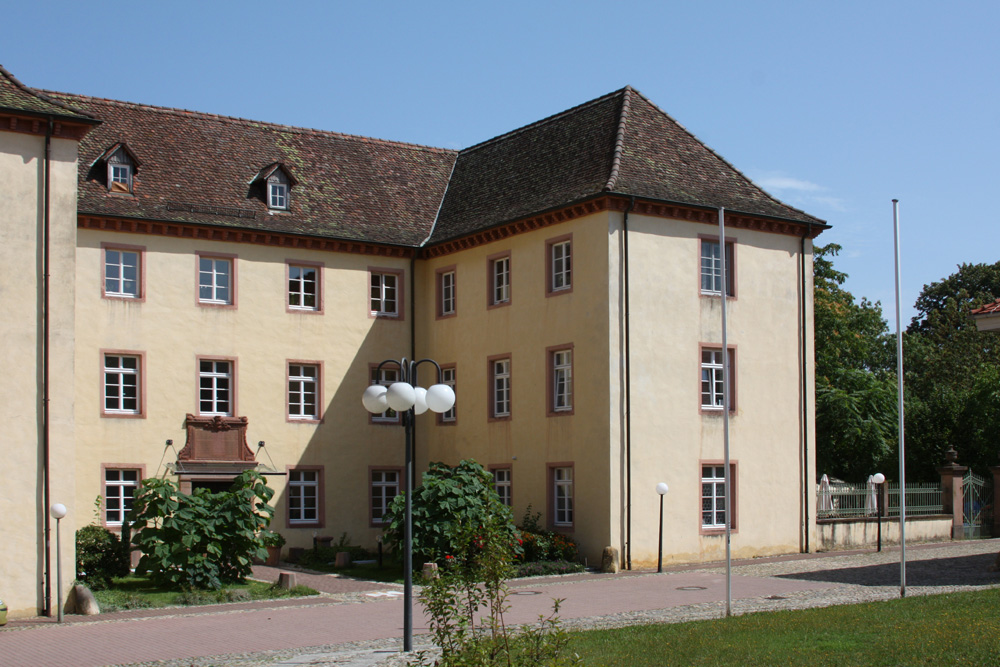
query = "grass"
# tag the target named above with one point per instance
(953, 629)
(134, 592)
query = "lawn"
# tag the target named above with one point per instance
(953, 629)
(134, 592)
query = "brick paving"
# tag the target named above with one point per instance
(356, 624)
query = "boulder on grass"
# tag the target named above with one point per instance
(84, 601)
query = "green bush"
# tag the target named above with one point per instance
(447, 500)
(202, 540)
(545, 545)
(547, 568)
(99, 557)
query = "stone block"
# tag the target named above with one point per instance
(430, 571)
(343, 559)
(84, 601)
(610, 562)
(286, 580)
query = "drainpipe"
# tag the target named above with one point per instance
(628, 399)
(45, 375)
(413, 356)
(805, 390)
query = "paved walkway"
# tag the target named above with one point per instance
(358, 624)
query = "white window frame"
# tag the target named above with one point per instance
(120, 172)
(562, 496)
(562, 380)
(502, 484)
(713, 497)
(448, 293)
(217, 381)
(387, 376)
(277, 196)
(500, 280)
(713, 379)
(448, 377)
(299, 284)
(384, 487)
(300, 393)
(501, 382)
(384, 297)
(711, 268)
(211, 271)
(119, 490)
(303, 485)
(119, 381)
(115, 279)
(561, 262)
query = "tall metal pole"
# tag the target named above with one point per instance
(659, 556)
(408, 418)
(59, 596)
(725, 414)
(899, 391)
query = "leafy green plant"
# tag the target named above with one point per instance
(545, 545)
(448, 500)
(98, 557)
(477, 579)
(269, 538)
(204, 539)
(548, 568)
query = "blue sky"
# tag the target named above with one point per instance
(836, 108)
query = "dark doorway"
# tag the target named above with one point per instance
(214, 486)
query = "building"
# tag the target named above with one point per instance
(230, 287)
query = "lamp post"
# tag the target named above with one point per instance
(661, 489)
(879, 478)
(58, 511)
(409, 400)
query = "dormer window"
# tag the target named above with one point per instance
(121, 166)
(274, 185)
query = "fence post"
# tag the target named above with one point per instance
(952, 493)
(996, 496)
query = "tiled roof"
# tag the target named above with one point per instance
(17, 97)
(201, 168)
(988, 309)
(619, 143)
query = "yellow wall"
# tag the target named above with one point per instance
(531, 323)
(22, 505)
(173, 330)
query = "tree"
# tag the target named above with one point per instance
(444, 505)
(855, 388)
(951, 373)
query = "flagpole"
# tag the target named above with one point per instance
(899, 391)
(725, 413)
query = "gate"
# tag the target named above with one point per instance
(978, 510)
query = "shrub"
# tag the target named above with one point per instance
(204, 539)
(447, 502)
(545, 545)
(99, 557)
(548, 568)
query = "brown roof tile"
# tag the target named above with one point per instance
(988, 309)
(200, 168)
(17, 97)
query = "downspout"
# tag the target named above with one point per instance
(805, 390)
(45, 374)
(413, 357)
(628, 399)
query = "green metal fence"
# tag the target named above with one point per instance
(843, 500)
(922, 499)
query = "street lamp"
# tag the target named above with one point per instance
(878, 478)
(409, 400)
(661, 489)
(58, 511)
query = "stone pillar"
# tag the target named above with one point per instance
(952, 498)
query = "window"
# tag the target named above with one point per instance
(385, 293)
(122, 273)
(560, 381)
(448, 378)
(562, 495)
(121, 166)
(501, 483)
(384, 487)
(711, 268)
(386, 376)
(120, 177)
(277, 195)
(215, 280)
(446, 292)
(500, 388)
(712, 379)
(303, 287)
(304, 496)
(559, 262)
(119, 490)
(122, 395)
(303, 391)
(215, 381)
(713, 496)
(499, 280)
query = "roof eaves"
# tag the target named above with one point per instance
(616, 161)
(70, 112)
